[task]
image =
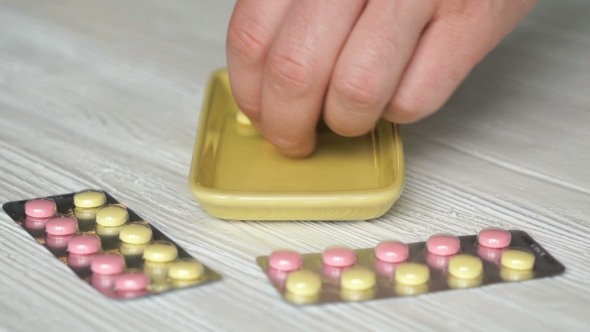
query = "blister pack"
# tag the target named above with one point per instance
(394, 269)
(108, 245)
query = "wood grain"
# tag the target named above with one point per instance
(107, 94)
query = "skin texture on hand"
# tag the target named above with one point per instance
(353, 62)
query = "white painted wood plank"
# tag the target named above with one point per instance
(107, 94)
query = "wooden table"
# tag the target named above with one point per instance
(106, 94)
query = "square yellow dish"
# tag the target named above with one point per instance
(236, 174)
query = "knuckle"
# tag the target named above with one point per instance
(408, 108)
(360, 89)
(291, 74)
(246, 39)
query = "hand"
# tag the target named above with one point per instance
(356, 60)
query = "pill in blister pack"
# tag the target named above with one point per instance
(108, 245)
(394, 269)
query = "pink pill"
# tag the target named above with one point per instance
(392, 251)
(107, 264)
(339, 257)
(277, 276)
(491, 254)
(131, 294)
(84, 244)
(386, 269)
(57, 241)
(285, 260)
(104, 284)
(61, 226)
(75, 260)
(332, 272)
(40, 208)
(132, 282)
(35, 223)
(437, 261)
(494, 238)
(443, 245)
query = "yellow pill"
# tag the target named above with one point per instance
(404, 290)
(357, 295)
(161, 252)
(518, 260)
(242, 119)
(128, 249)
(85, 213)
(136, 233)
(412, 274)
(185, 269)
(358, 279)
(107, 231)
(302, 300)
(184, 283)
(89, 199)
(458, 283)
(515, 275)
(303, 283)
(465, 267)
(112, 216)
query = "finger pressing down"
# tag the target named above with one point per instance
(298, 70)
(372, 62)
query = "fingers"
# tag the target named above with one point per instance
(452, 45)
(251, 31)
(372, 62)
(298, 70)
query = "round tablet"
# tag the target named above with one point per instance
(104, 231)
(160, 252)
(85, 213)
(84, 244)
(494, 238)
(358, 278)
(242, 119)
(183, 283)
(405, 290)
(107, 264)
(465, 267)
(412, 274)
(332, 272)
(129, 282)
(89, 199)
(385, 269)
(304, 283)
(128, 249)
(518, 260)
(357, 295)
(75, 260)
(57, 241)
(112, 216)
(490, 254)
(278, 277)
(131, 294)
(392, 251)
(339, 256)
(443, 245)
(135, 233)
(185, 269)
(40, 208)
(103, 281)
(61, 226)
(35, 223)
(458, 283)
(285, 260)
(515, 275)
(438, 262)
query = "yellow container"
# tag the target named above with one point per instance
(236, 174)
